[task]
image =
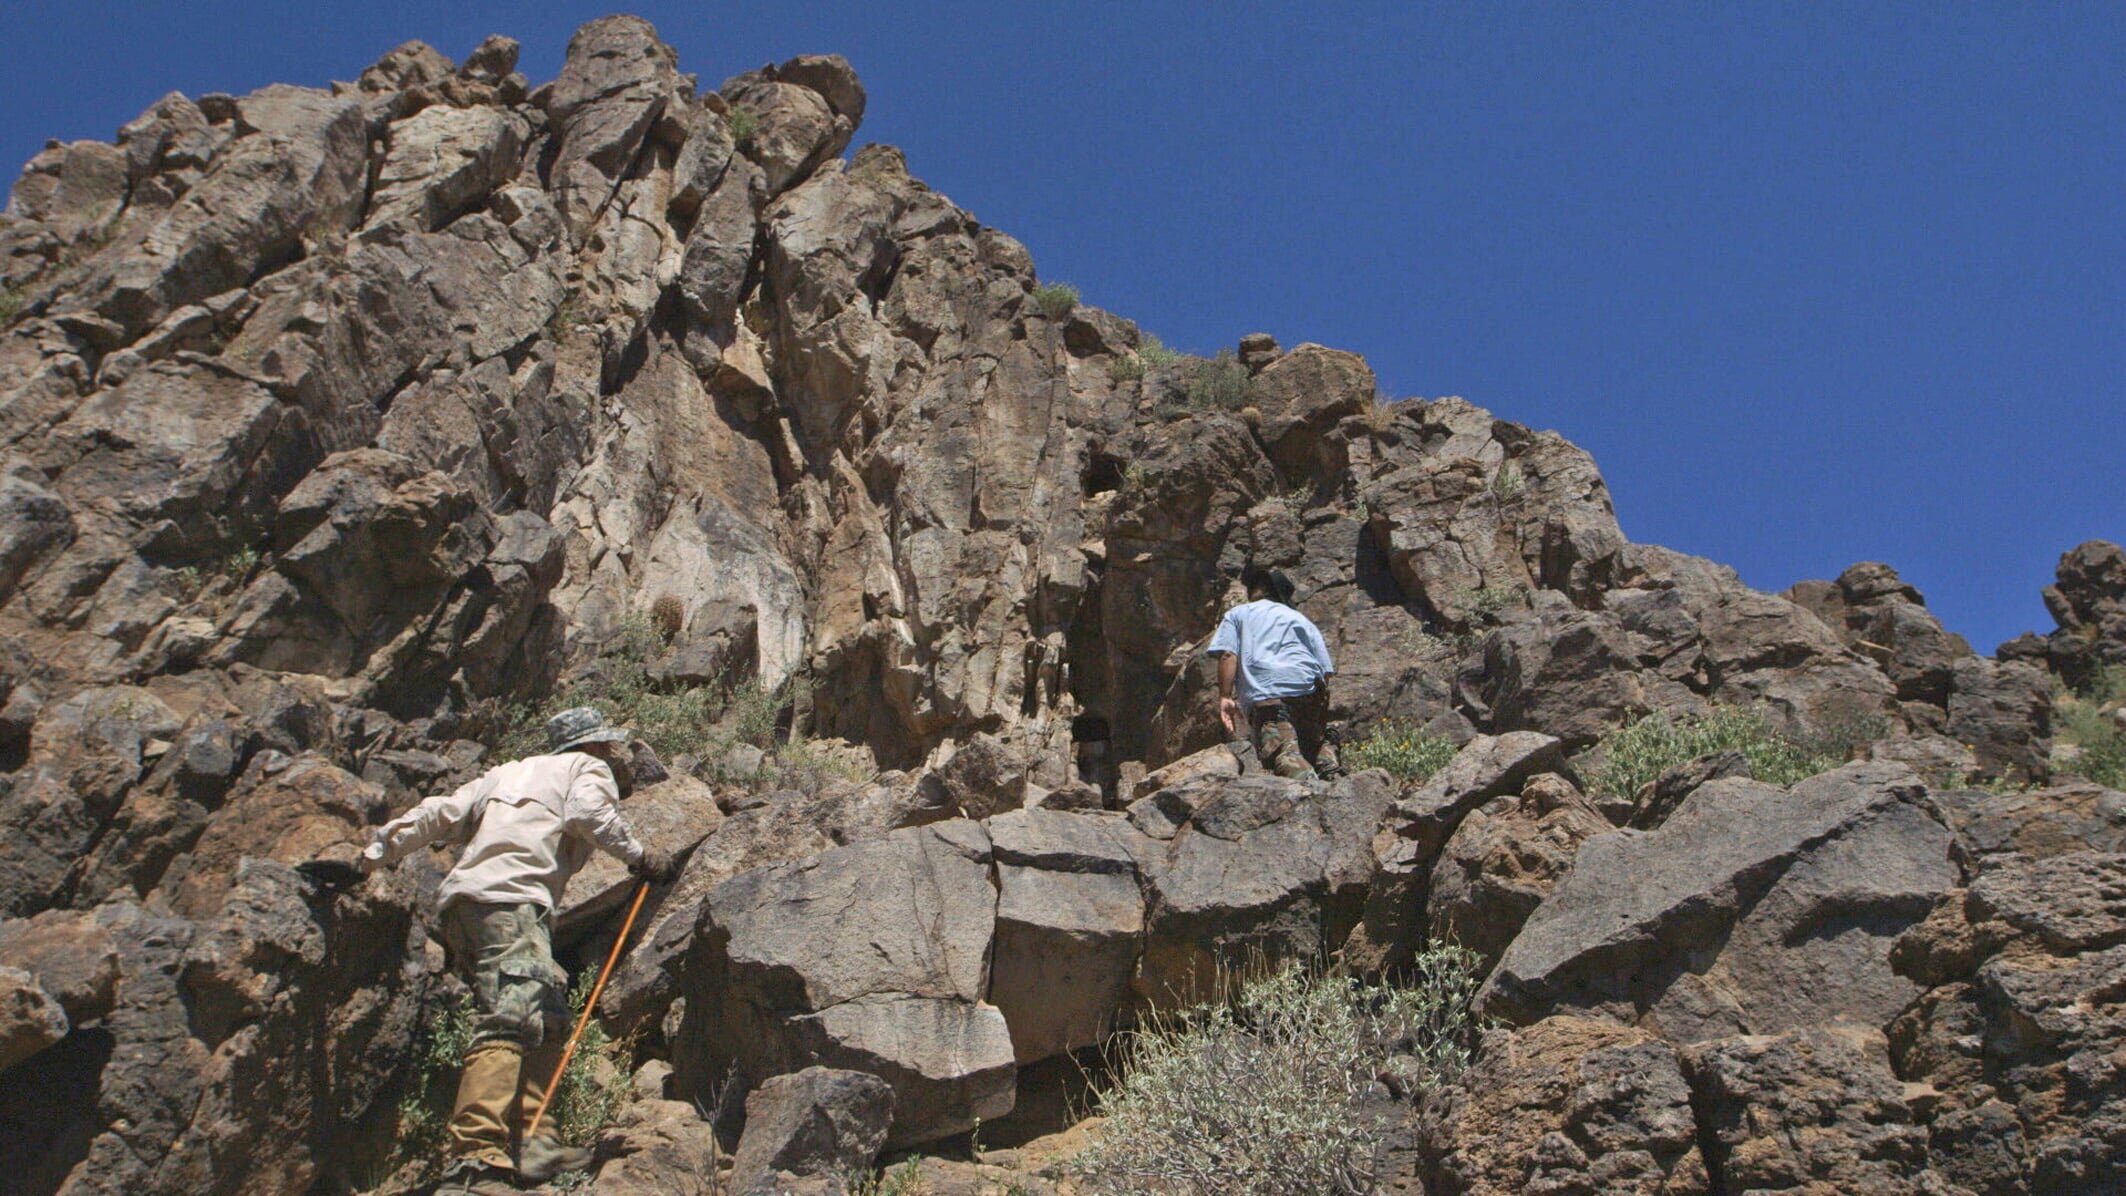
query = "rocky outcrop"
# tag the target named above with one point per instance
(1752, 910)
(335, 422)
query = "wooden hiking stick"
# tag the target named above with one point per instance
(553, 1082)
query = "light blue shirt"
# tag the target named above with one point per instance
(1280, 651)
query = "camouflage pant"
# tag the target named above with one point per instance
(505, 952)
(1290, 733)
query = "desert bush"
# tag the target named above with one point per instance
(1403, 748)
(2086, 723)
(668, 615)
(594, 1085)
(1639, 752)
(1264, 1092)
(903, 1180)
(1506, 482)
(1156, 353)
(12, 301)
(1126, 368)
(432, 1086)
(670, 718)
(745, 124)
(1055, 300)
(1219, 383)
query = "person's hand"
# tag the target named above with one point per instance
(656, 866)
(1229, 712)
(332, 873)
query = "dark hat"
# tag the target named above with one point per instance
(579, 725)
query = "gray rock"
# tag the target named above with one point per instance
(819, 1121)
(1070, 927)
(31, 1019)
(818, 961)
(1752, 910)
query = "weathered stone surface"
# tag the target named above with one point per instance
(443, 162)
(69, 956)
(1418, 825)
(31, 1019)
(819, 1121)
(1504, 859)
(1565, 1105)
(2077, 816)
(1268, 870)
(657, 1147)
(1752, 910)
(615, 83)
(1070, 926)
(674, 816)
(1812, 1109)
(817, 961)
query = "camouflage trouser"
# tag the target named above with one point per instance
(505, 952)
(1293, 731)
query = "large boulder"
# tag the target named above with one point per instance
(1752, 910)
(1268, 870)
(1504, 859)
(819, 961)
(818, 1121)
(1070, 926)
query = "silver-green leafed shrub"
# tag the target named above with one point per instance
(1263, 1094)
(1404, 749)
(1639, 752)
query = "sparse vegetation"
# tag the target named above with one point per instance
(1219, 383)
(1487, 603)
(903, 1180)
(1403, 748)
(1127, 368)
(1638, 753)
(594, 1085)
(668, 615)
(424, 1106)
(1055, 300)
(1156, 353)
(2088, 728)
(745, 125)
(12, 300)
(1264, 1092)
(566, 315)
(1506, 482)
(671, 718)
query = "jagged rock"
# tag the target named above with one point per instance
(1504, 858)
(817, 962)
(1810, 1109)
(1658, 798)
(444, 162)
(674, 815)
(31, 1019)
(656, 1147)
(1417, 826)
(1752, 910)
(981, 777)
(2016, 1030)
(1303, 396)
(1267, 870)
(1070, 926)
(616, 82)
(798, 123)
(819, 1121)
(67, 955)
(34, 523)
(2078, 816)
(289, 810)
(2088, 601)
(1565, 1105)
(2003, 710)
(1876, 611)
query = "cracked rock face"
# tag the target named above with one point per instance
(334, 419)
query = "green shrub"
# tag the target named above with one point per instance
(1262, 1093)
(1156, 353)
(904, 1180)
(1640, 752)
(1506, 482)
(745, 125)
(1404, 749)
(12, 301)
(2099, 745)
(1056, 300)
(670, 718)
(1220, 383)
(1127, 368)
(594, 1085)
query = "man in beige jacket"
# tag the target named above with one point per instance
(527, 826)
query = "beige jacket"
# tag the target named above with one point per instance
(527, 826)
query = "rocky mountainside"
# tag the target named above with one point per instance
(341, 424)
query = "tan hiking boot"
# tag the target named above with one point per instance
(479, 1129)
(542, 1158)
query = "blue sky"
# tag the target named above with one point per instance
(1815, 283)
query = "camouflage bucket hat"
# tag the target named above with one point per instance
(579, 725)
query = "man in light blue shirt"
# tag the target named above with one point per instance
(1274, 669)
